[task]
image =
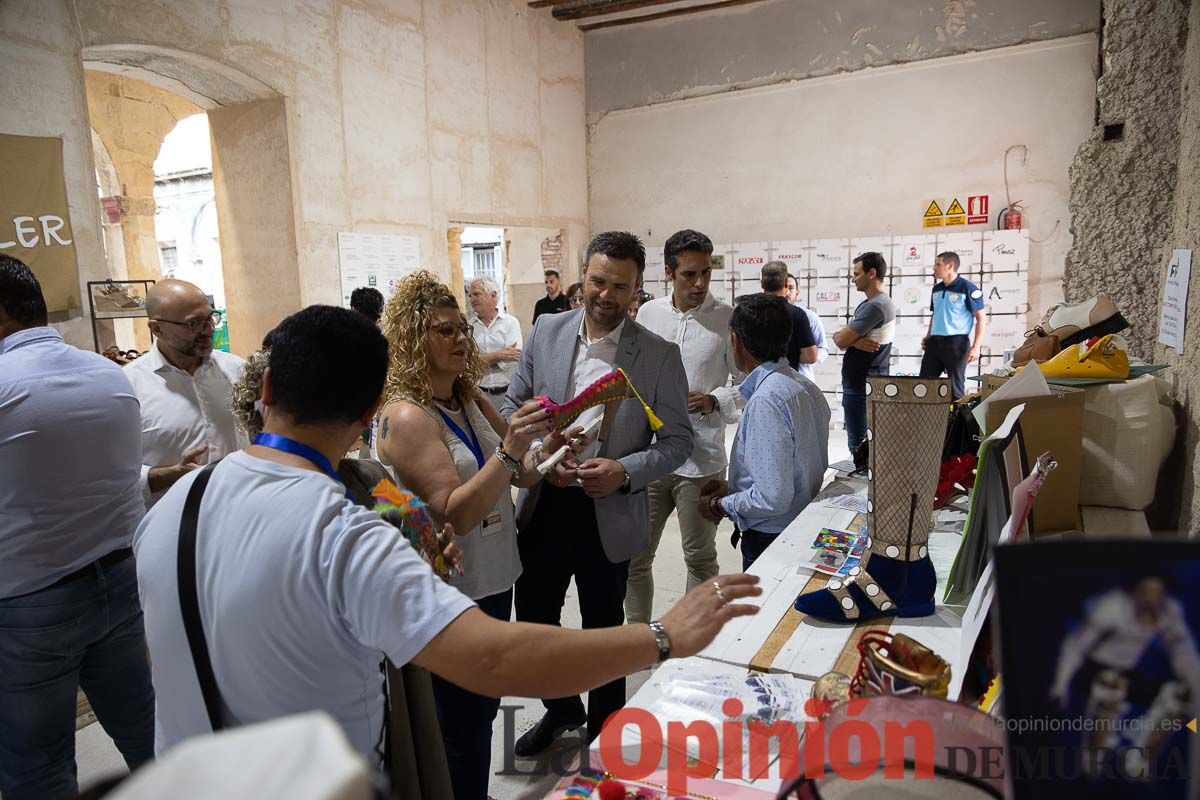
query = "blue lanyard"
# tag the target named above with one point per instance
(286, 445)
(472, 442)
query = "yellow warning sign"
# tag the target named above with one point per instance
(955, 208)
(935, 210)
(933, 222)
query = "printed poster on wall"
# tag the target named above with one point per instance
(376, 260)
(35, 224)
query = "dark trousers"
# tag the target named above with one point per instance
(466, 720)
(562, 541)
(88, 633)
(947, 354)
(753, 544)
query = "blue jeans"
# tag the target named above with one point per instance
(854, 402)
(87, 633)
(753, 544)
(466, 720)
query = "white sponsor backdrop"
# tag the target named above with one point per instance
(996, 261)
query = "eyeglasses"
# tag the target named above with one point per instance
(198, 325)
(448, 330)
(575, 300)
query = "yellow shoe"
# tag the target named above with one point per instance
(1102, 361)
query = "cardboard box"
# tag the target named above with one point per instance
(1053, 423)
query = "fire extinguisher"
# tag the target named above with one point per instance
(1010, 218)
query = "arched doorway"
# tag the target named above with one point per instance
(251, 177)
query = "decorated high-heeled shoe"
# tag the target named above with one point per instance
(906, 425)
(610, 391)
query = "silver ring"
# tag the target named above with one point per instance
(528, 428)
(720, 595)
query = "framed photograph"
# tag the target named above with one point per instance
(1101, 673)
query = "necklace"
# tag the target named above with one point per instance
(449, 402)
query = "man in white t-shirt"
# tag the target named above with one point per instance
(301, 593)
(498, 337)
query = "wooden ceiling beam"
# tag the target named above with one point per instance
(677, 12)
(582, 9)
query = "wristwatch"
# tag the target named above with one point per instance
(662, 640)
(626, 485)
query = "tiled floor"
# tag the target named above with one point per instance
(518, 779)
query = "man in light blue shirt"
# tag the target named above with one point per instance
(781, 449)
(814, 325)
(70, 499)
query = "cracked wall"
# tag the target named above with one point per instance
(786, 40)
(1178, 501)
(1122, 189)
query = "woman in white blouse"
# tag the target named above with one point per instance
(452, 449)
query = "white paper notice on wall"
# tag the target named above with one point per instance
(1173, 324)
(376, 260)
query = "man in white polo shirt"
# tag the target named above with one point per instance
(299, 593)
(498, 337)
(699, 323)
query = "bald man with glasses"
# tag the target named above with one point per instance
(184, 386)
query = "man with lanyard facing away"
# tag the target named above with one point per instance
(699, 324)
(957, 305)
(591, 514)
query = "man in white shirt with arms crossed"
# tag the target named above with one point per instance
(498, 336)
(184, 386)
(301, 593)
(699, 323)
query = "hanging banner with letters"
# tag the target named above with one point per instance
(35, 224)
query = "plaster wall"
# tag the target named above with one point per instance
(1181, 476)
(42, 94)
(786, 40)
(254, 193)
(856, 154)
(524, 271)
(1122, 190)
(401, 115)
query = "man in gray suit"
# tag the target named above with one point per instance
(591, 514)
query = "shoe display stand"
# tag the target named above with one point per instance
(116, 300)
(781, 641)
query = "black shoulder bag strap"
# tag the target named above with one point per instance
(189, 601)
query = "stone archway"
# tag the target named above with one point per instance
(251, 177)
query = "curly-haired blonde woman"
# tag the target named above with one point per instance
(452, 449)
